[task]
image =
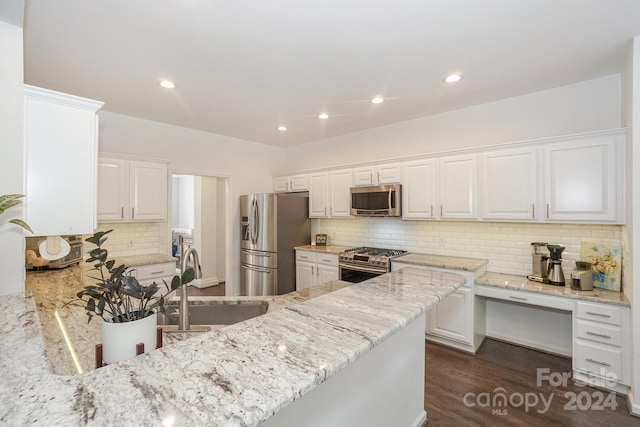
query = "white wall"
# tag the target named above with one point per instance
(582, 107)
(183, 203)
(248, 165)
(206, 230)
(12, 159)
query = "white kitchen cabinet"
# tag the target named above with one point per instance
(419, 189)
(387, 173)
(509, 184)
(458, 185)
(155, 273)
(329, 194)
(459, 320)
(61, 145)
(131, 190)
(583, 179)
(440, 188)
(315, 268)
(292, 183)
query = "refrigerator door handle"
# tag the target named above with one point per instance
(258, 269)
(257, 253)
(255, 227)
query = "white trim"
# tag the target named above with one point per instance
(633, 405)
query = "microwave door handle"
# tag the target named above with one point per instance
(390, 194)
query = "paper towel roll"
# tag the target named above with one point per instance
(53, 247)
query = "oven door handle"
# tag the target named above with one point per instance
(361, 268)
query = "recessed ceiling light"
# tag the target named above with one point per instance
(377, 100)
(453, 78)
(283, 128)
(167, 84)
(323, 116)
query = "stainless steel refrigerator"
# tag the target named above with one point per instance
(272, 225)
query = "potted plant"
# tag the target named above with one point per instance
(127, 308)
(9, 200)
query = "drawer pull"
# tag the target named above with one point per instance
(326, 260)
(518, 298)
(598, 362)
(593, 313)
(598, 335)
(304, 257)
(157, 272)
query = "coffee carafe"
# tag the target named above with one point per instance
(555, 274)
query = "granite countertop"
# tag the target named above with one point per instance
(442, 261)
(51, 289)
(332, 249)
(147, 259)
(239, 375)
(521, 283)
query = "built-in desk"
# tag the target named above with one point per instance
(598, 322)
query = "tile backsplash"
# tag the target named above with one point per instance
(133, 238)
(507, 246)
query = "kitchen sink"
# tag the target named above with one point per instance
(215, 312)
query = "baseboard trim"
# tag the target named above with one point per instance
(532, 345)
(207, 283)
(421, 420)
(633, 405)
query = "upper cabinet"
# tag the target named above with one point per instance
(584, 179)
(293, 183)
(131, 190)
(329, 194)
(61, 145)
(509, 184)
(388, 173)
(440, 188)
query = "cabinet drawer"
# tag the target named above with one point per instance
(599, 313)
(559, 303)
(153, 271)
(598, 332)
(597, 359)
(305, 256)
(327, 259)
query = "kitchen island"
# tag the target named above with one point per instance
(242, 374)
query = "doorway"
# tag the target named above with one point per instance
(199, 220)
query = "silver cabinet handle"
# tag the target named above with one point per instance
(330, 210)
(518, 298)
(593, 313)
(599, 335)
(378, 176)
(371, 177)
(440, 211)
(326, 260)
(133, 210)
(325, 211)
(431, 211)
(598, 362)
(156, 272)
(303, 256)
(533, 210)
(312, 273)
(547, 210)
(121, 212)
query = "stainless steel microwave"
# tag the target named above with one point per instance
(377, 200)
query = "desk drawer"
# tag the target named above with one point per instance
(154, 271)
(601, 313)
(598, 332)
(598, 359)
(523, 297)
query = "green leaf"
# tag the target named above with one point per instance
(21, 223)
(110, 264)
(188, 276)
(7, 200)
(175, 283)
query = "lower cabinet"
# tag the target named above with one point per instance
(458, 321)
(315, 268)
(147, 274)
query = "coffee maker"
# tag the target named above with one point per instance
(539, 263)
(554, 273)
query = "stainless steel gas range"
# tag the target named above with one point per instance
(359, 264)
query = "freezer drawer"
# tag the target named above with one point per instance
(258, 281)
(259, 258)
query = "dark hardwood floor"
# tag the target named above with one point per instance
(462, 390)
(217, 290)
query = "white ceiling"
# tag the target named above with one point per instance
(243, 67)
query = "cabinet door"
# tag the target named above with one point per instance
(281, 184)
(363, 175)
(113, 190)
(318, 195)
(341, 182)
(305, 274)
(450, 318)
(509, 184)
(326, 273)
(60, 137)
(148, 191)
(299, 183)
(419, 189)
(582, 180)
(389, 173)
(458, 187)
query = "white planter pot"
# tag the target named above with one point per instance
(119, 340)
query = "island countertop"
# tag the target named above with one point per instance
(239, 375)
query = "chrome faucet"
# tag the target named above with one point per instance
(183, 319)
